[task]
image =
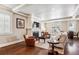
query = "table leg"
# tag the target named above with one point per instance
(52, 48)
(51, 52)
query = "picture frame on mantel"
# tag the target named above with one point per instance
(20, 23)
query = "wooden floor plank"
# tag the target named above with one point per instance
(21, 49)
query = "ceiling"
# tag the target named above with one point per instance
(11, 5)
(46, 11)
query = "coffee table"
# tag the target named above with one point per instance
(42, 38)
(52, 52)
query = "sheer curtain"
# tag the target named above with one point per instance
(5, 24)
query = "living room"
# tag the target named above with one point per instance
(30, 29)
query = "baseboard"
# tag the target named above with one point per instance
(10, 43)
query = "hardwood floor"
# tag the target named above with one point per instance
(21, 49)
(72, 47)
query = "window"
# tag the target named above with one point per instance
(56, 27)
(5, 23)
(72, 26)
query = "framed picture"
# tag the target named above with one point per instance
(20, 23)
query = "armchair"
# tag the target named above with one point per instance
(60, 47)
(30, 41)
(62, 41)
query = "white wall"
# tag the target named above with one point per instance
(77, 24)
(17, 34)
(62, 24)
(65, 22)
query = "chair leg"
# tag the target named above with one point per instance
(44, 40)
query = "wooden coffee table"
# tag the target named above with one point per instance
(52, 52)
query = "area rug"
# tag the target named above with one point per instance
(41, 44)
(45, 45)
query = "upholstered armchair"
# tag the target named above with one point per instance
(70, 35)
(62, 40)
(60, 46)
(30, 41)
(45, 35)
